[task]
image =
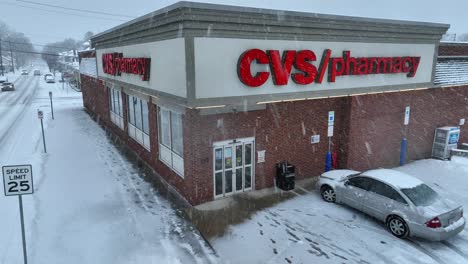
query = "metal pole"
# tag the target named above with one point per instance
(11, 55)
(25, 254)
(404, 146)
(51, 105)
(328, 156)
(43, 137)
(1, 57)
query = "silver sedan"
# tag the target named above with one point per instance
(405, 204)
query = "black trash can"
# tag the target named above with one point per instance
(285, 176)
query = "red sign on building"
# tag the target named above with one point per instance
(281, 66)
(115, 64)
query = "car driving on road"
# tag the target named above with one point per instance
(49, 79)
(7, 86)
(405, 204)
(24, 72)
(37, 73)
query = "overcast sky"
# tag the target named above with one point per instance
(45, 24)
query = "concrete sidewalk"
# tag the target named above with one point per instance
(213, 218)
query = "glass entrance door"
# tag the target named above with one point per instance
(233, 167)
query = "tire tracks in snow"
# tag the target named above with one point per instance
(27, 98)
(425, 251)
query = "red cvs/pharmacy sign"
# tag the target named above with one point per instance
(116, 63)
(306, 72)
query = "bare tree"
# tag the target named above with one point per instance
(20, 45)
(88, 35)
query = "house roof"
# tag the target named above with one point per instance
(451, 71)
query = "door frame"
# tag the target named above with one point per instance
(233, 143)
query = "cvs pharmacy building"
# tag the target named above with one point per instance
(212, 97)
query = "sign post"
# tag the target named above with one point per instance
(40, 115)
(404, 141)
(51, 105)
(17, 181)
(331, 123)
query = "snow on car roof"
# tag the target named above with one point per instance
(339, 173)
(395, 178)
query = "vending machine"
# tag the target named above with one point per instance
(445, 139)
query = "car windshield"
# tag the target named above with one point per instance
(6, 83)
(420, 195)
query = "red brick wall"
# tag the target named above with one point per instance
(368, 132)
(283, 130)
(453, 49)
(87, 54)
(96, 101)
(95, 97)
(376, 128)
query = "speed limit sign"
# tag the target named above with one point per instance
(17, 180)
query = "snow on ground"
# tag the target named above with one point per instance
(308, 230)
(90, 205)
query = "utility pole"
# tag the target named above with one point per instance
(1, 57)
(11, 56)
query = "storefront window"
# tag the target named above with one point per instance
(171, 139)
(131, 110)
(145, 116)
(115, 107)
(177, 138)
(137, 118)
(165, 127)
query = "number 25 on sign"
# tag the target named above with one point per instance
(18, 180)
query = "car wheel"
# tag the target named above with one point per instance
(397, 226)
(328, 194)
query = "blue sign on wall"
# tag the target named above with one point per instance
(454, 138)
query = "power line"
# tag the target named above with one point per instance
(35, 52)
(41, 45)
(74, 9)
(56, 47)
(59, 12)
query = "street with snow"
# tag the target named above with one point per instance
(91, 205)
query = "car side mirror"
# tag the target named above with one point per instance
(346, 183)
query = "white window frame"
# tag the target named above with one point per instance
(166, 153)
(116, 113)
(139, 135)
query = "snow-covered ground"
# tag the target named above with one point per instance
(308, 230)
(90, 205)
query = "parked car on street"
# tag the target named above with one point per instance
(50, 79)
(3, 79)
(8, 86)
(37, 73)
(405, 204)
(24, 72)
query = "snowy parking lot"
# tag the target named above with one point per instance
(308, 230)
